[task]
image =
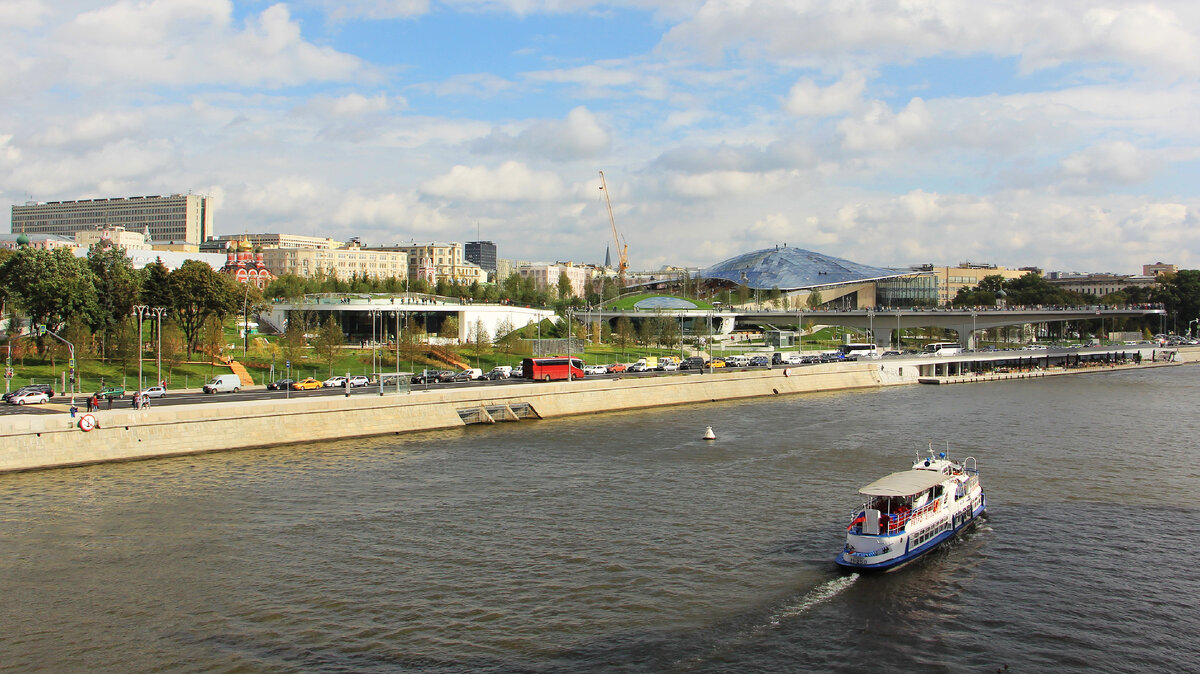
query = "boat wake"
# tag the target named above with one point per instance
(814, 597)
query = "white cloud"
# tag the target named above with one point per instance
(579, 136)
(1162, 35)
(1107, 164)
(809, 99)
(511, 181)
(130, 45)
(348, 106)
(880, 129)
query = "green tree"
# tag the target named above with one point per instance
(669, 332)
(292, 343)
(624, 334)
(174, 349)
(814, 300)
(565, 291)
(212, 333)
(449, 328)
(117, 288)
(328, 343)
(197, 294)
(50, 287)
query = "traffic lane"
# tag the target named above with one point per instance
(191, 397)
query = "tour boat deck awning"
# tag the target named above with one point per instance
(904, 483)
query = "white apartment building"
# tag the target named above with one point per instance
(545, 276)
(273, 240)
(186, 218)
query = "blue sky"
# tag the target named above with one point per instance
(1019, 133)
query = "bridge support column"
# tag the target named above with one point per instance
(889, 337)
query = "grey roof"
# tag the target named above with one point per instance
(792, 268)
(904, 483)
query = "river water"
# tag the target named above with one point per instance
(624, 542)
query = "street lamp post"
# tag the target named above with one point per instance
(245, 320)
(140, 310)
(158, 314)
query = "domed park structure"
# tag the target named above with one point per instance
(799, 273)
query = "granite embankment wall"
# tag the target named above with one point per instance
(30, 442)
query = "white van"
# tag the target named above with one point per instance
(224, 383)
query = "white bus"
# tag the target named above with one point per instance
(858, 350)
(942, 349)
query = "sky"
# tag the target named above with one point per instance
(1060, 135)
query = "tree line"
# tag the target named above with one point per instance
(90, 301)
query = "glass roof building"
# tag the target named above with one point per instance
(794, 269)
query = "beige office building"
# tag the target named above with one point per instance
(968, 275)
(176, 218)
(1101, 284)
(436, 261)
(115, 236)
(341, 263)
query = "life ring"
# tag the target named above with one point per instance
(787, 372)
(87, 422)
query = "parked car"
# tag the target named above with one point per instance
(43, 388)
(359, 380)
(617, 367)
(30, 398)
(596, 369)
(153, 392)
(692, 363)
(760, 361)
(668, 366)
(334, 382)
(716, 362)
(280, 385)
(446, 375)
(425, 376)
(110, 392)
(306, 384)
(500, 372)
(518, 372)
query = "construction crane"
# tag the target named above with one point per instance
(618, 240)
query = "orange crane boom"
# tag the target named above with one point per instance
(618, 240)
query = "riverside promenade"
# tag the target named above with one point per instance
(31, 442)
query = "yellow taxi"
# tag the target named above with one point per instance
(307, 383)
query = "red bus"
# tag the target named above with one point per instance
(550, 368)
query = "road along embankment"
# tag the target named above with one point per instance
(29, 442)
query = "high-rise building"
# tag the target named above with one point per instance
(179, 218)
(482, 253)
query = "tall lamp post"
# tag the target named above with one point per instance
(570, 369)
(140, 311)
(246, 320)
(158, 314)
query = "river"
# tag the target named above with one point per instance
(624, 542)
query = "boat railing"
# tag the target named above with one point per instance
(896, 522)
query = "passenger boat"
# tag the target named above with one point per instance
(909, 513)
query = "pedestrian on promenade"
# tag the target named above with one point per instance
(110, 402)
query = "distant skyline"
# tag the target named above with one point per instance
(1059, 135)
